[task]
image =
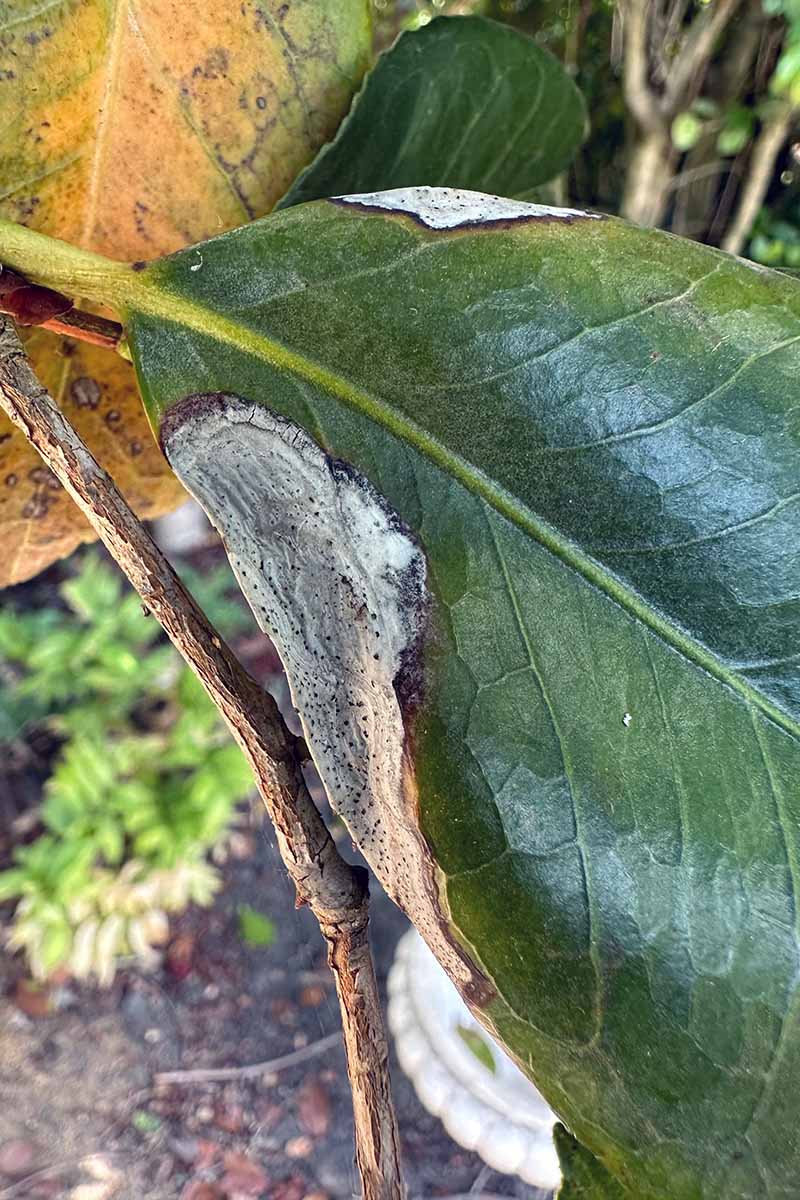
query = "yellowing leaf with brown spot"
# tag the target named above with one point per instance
(134, 127)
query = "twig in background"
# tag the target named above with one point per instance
(251, 1070)
(336, 892)
(654, 105)
(768, 146)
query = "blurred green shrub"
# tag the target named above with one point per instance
(785, 80)
(145, 781)
(775, 240)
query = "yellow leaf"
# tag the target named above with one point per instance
(134, 127)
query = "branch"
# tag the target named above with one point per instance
(648, 179)
(692, 174)
(695, 53)
(252, 1070)
(736, 66)
(86, 327)
(640, 97)
(336, 892)
(673, 27)
(30, 304)
(768, 146)
(654, 112)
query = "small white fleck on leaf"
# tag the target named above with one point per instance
(626, 720)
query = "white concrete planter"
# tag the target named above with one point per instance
(496, 1112)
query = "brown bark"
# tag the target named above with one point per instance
(336, 892)
(29, 304)
(701, 205)
(691, 62)
(649, 179)
(650, 169)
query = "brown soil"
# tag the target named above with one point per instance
(78, 1103)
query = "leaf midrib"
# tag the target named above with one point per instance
(144, 297)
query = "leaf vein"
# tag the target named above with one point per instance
(30, 15)
(139, 295)
(658, 426)
(602, 327)
(736, 527)
(568, 770)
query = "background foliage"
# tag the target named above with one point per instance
(743, 96)
(144, 783)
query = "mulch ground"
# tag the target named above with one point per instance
(82, 1116)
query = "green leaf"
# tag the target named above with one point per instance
(255, 928)
(152, 841)
(568, 737)
(145, 1122)
(705, 107)
(110, 841)
(786, 76)
(55, 946)
(584, 1178)
(737, 130)
(11, 884)
(686, 130)
(463, 102)
(95, 592)
(477, 1045)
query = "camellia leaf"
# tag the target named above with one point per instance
(515, 489)
(584, 1178)
(134, 129)
(432, 111)
(477, 1046)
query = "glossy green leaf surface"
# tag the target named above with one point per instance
(584, 1178)
(463, 102)
(591, 431)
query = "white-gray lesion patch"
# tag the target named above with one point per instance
(448, 208)
(339, 585)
